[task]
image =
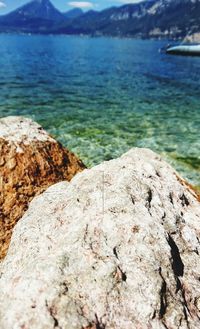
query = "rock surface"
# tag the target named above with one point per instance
(117, 247)
(30, 161)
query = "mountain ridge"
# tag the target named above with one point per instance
(35, 16)
(148, 19)
(73, 13)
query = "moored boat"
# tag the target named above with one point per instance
(185, 50)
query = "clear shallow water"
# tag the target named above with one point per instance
(100, 97)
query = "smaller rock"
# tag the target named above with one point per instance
(30, 161)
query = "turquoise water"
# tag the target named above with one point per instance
(100, 96)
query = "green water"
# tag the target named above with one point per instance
(100, 97)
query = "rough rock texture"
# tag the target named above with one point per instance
(30, 161)
(117, 247)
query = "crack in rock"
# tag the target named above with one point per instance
(115, 252)
(52, 315)
(96, 324)
(149, 199)
(163, 296)
(185, 201)
(177, 264)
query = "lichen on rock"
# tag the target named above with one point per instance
(30, 161)
(116, 248)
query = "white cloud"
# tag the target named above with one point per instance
(2, 5)
(129, 1)
(81, 4)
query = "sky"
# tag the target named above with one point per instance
(64, 5)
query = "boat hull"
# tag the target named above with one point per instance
(184, 50)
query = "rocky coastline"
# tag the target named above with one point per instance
(114, 246)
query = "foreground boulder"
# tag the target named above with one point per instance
(117, 247)
(30, 161)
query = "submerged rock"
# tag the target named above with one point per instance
(117, 247)
(30, 161)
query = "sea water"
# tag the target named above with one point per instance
(102, 96)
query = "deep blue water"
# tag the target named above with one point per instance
(102, 96)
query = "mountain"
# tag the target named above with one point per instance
(35, 16)
(73, 13)
(147, 19)
(155, 18)
(112, 21)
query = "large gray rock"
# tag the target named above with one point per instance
(117, 247)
